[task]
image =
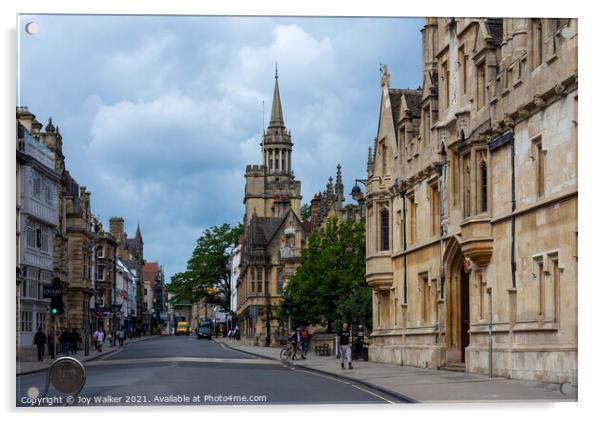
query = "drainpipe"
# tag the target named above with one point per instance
(402, 194)
(512, 250)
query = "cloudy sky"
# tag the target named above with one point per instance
(160, 115)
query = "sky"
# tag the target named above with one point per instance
(160, 115)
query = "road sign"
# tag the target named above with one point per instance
(49, 291)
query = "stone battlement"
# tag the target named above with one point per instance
(255, 169)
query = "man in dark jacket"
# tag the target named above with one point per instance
(51, 348)
(39, 340)
(75, 340)
(65, 340)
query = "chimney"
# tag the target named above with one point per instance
(116, 228)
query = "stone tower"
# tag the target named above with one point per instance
(271, 189)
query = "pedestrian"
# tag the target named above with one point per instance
(51, 346)
(65, 340)
(304, 343)
(344, 344)
(74, 341)
(296, 341)
(100, 337)
(120, 336)
(39, 340)
(94, 339)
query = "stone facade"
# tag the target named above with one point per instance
(131, 253)
(274, 234)
(38, 218)
(80, 240)
(472, 202)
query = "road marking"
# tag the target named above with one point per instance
(372, 393)
(325, 376)
(183, 360)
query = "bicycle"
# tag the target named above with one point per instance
(290, 351)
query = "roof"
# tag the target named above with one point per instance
(413, 99)
(150, 271)
(495, 28)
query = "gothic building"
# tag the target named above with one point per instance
(274, 234)
(472, 202)
(131, 253)
(330, 203)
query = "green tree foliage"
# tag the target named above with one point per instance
(208, 268)
(357, 303)
(333, 265)
(305, 212)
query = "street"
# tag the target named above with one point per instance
(184, 370)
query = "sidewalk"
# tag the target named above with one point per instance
(31, 364)
(427, 385)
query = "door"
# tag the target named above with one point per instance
(464, 312)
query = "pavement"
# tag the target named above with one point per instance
(30, 364)
(421, 384)
(181, 370)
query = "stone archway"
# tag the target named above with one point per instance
(457, 304)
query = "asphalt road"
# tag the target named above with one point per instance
(180, 370)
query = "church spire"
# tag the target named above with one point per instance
(138, 233)
(276, 120)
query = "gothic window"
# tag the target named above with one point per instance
(280, 284)
(101, 274)
(252, 280)
(466, 183)
(259, 281)
(483, 186)
(481, 88)
(426, 118)
(435, 210)
(539, 156)
(384, 229)
(537, 42)
(425, 292)
(412, 218)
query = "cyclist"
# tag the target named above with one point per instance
(296, 339)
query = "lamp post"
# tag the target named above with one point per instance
(356, 191)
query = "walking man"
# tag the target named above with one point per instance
(344, 343)
(75, 339)
(39, 340)
(65, 340)
(51, 346)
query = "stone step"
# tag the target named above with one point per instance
(458, 367)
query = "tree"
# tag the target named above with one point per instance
(207, 275)
(305, 212)
(334, 264)
(357, 303)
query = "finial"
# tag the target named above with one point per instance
(50, 126)
(276, 70)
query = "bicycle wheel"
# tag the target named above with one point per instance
(285, 353)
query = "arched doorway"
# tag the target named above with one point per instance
(457, 303)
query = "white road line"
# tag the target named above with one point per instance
(325, 376)
(372, 393)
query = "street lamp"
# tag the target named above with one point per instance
(356, 191)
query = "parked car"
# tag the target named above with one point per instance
(203, 332)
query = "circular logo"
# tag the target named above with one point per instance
(67, 375)
(32, 28)
(33, 392)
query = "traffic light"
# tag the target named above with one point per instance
(288, 304)
(57, 307)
